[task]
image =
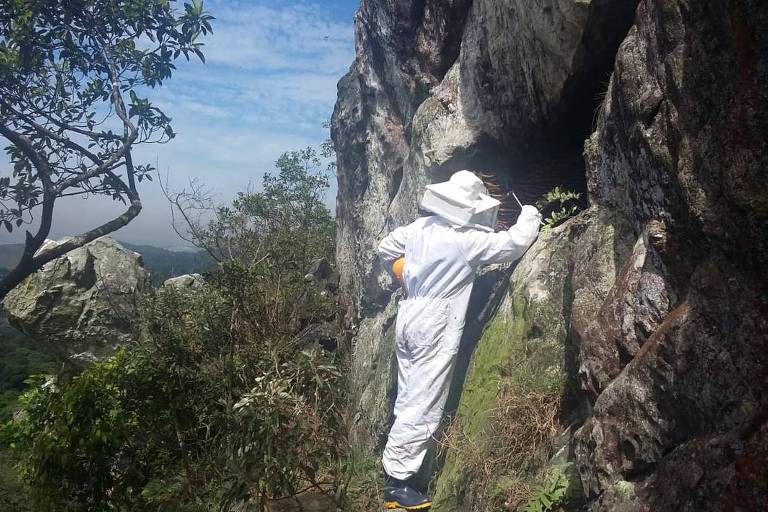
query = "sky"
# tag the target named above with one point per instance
(268, 86)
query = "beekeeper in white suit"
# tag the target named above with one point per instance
(442, 253)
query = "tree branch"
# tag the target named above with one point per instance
(31, 243)
(23, 143)
(26, 267)
(55, 136)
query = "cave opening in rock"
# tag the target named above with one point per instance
(533, 164)
(530, 173)
(552, 154)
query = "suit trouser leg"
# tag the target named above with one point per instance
(428, 369)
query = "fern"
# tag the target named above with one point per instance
(557, 194)
(558, 197)
(549, 494)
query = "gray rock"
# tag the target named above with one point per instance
(564, 276)
(83, 304)
(526, 65)
(677, 357)
(185, 282)
(667, 348)
(441, 86)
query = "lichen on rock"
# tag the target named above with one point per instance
(83, 304)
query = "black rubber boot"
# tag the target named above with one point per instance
(399, 495)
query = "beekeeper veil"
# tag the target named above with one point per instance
(463, 201)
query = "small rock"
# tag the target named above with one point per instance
(185, 282)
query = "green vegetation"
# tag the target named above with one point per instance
(549, 494)
(74, 104)
(501, 436)
(289, 212)
(14, 495)
(22, 357)
(221, 404)
(558, 206)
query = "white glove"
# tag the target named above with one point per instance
(529, 213)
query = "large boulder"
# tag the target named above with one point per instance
(83, 304)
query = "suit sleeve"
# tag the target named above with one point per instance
(481, 248)
(393, 245)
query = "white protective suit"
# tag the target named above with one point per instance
(441, 260)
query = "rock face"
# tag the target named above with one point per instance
(185, 282)
(423, 99)
(528, 355)
(662, 324)
(676, 360)
(83, 304)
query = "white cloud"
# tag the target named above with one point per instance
(269, 38)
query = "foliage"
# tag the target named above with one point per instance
(14, 495)
(202, 410)
(273, 236)
(285, 225)
(22, 357)
(549, 494)
(74, 78)
(221, 403)
(561, 205)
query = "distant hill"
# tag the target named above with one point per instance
(10, 254)
(162, 263)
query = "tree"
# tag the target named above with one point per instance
(273, 235)
(286, 223)
(73, 79)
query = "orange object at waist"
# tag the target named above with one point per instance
(397, 268)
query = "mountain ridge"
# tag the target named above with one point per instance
(162, 263)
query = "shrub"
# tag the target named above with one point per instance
(559, 205)
(201, 411)
(220, 404)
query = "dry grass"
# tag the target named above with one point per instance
(521, 424)
(517, 495)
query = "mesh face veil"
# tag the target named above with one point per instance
(463, 201)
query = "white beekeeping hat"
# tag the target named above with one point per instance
(463, 201)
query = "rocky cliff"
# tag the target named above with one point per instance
(641, 323)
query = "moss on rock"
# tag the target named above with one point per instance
(508, 424)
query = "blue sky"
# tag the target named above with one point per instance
(268, 86)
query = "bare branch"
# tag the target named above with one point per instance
(176, 201)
